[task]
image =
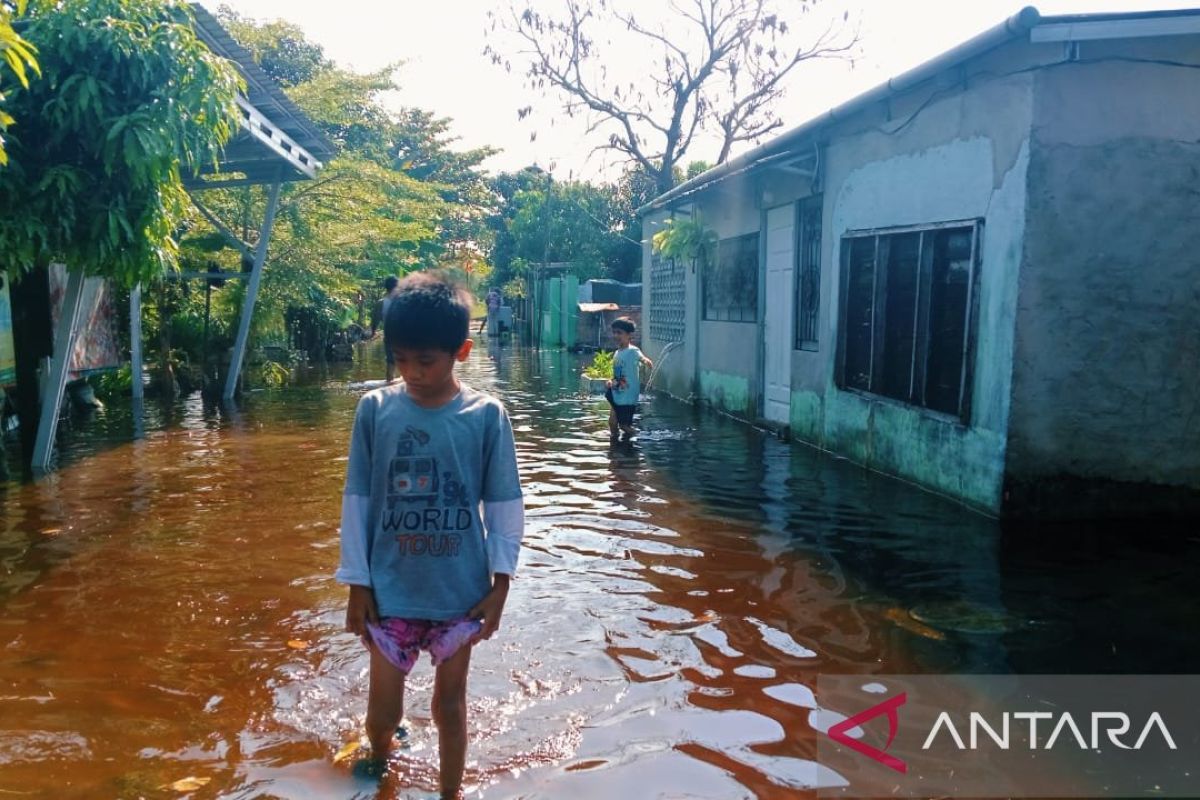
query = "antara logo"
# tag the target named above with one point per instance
(1114, 724)
(840, 732)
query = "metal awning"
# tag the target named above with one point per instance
(276, 141)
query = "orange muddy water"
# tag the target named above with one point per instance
(169, 626)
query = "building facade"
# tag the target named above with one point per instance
(982, 277)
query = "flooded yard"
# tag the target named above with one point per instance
(167, 609)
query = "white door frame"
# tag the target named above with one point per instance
(779, 269)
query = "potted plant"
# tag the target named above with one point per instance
(685, 238)
(596, 375)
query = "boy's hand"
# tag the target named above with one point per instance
(360, 610)
(489, 609)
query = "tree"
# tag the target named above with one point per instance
(544, 220)
(278, 46)
(720, 68)
(130, 100)
(395, 199)
(18, 58)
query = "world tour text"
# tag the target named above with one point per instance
(429, 520)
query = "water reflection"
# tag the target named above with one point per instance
(167, 610)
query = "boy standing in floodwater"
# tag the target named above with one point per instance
(426, 570)
(626, 385)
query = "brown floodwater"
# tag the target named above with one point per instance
(167, 610)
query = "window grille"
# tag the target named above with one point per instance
(808, 287)
(731, 284)
(666, 299)
(907, 316)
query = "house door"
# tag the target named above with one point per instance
(777, 327)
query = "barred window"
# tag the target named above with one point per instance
(666, 299)
(908, 317)
(731, 284)
(808, 287)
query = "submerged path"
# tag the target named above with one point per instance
(167, 610)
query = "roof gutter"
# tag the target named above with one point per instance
(1017, 25)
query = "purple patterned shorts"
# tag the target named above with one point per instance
(401, 640)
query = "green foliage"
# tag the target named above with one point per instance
(592, 226)
(347, 107)
(695, 169)
(601, 366)
(18, 57)
(397, 198)
(116, 383)
(685, 238)
(279, 47)
(272, 374)
(130, 100)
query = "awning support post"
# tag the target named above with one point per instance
(135, 358)
(56, 380)
(260, 256)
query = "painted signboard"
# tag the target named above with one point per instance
(97, 346)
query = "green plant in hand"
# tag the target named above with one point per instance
(601, 366)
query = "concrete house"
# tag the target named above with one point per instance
(982, 276)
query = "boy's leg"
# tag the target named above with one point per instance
(612, 422)
(385, 704)
(450, 715)
(625, 420)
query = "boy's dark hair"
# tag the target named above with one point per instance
(429, 313)
(390, 282)
(624, 324)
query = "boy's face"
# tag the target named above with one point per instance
(428, 373)
(621, 337)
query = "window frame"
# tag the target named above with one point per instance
(812, 203)
(708, 274)
(921, 321)
(667, 317)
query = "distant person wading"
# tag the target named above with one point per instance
(390, 284)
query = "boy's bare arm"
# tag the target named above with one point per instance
(491, 607)
(361, 609)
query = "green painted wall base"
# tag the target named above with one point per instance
(730, 393)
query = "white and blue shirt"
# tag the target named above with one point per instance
(432, 504)
(627, 382)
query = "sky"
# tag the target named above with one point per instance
(444, 69)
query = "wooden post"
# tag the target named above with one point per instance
(260, 256)
(56, 383)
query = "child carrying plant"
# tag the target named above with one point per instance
(626, 384)
(432, 520)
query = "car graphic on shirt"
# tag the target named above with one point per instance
(412, 479)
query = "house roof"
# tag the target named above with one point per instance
(277, 140)
(1026, 23)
